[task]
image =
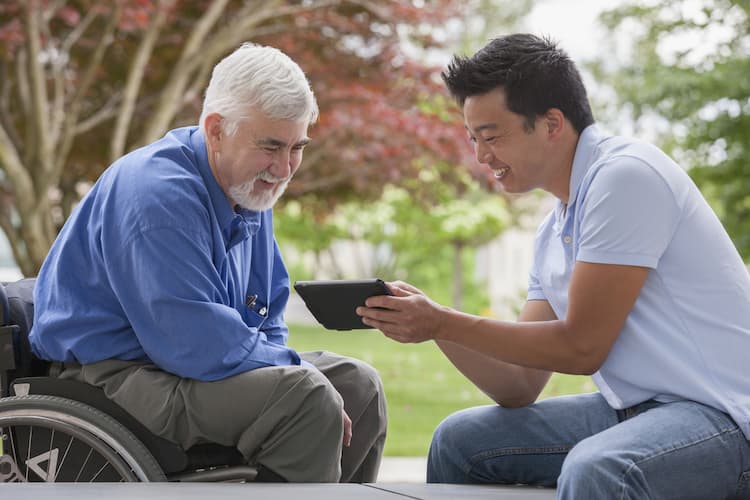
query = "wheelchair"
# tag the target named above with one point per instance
(56, 430)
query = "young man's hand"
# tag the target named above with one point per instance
(407, 316)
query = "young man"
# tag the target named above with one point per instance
(167, 289)
(634, 282)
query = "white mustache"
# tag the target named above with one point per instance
(267, 176)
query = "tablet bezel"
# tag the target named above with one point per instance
(333, 302)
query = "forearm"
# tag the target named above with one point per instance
(509, 385)
(542, 345)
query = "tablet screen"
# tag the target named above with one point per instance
(334, 302)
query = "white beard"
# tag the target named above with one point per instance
(244, 196)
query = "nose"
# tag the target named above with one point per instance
(282, 166)
(483, 153)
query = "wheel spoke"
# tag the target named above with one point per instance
(28, 452)
(106, 464)
(65, 455)
(52, 466)
(84, 465)
(13, 450)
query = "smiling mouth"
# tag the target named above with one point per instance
(265, 185)
(500, 172)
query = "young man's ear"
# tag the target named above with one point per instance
(554, 120)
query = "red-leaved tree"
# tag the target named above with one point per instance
(82, 82)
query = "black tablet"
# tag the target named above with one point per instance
(333, 303)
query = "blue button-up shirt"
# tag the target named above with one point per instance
(155, 265)
(688, 334)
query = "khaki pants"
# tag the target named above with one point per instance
(287, 418)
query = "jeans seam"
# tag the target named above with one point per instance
(501, 452)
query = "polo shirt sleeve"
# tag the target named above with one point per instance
(534, 291)
(628, 215)
(176, 303)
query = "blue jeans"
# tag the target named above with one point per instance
(679, 450)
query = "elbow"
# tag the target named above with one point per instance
(511, 404)
(586, 362)
(585, 370)
(516, 399)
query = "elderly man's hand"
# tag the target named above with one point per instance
(347, 428)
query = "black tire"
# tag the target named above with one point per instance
(73, 441)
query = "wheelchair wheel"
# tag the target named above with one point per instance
(52, 439)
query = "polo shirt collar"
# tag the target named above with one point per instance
(587, 144)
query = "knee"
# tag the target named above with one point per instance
(588, 464)
(448, 460)
(363, 375)
(453, 434)
(448, 433)
(320, 395)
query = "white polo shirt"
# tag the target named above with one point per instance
(688, 335)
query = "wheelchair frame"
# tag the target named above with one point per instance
(56, 430)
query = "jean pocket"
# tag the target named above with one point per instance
(743, 487)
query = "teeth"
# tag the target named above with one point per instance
(500, 173)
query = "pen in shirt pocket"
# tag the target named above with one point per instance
(251, 301)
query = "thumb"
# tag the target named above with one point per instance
(404, 289)
(400, 292)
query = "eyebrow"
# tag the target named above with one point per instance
(269, 141)
(486, 126)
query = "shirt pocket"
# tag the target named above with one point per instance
(255, 316)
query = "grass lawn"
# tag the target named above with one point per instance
(421, 385)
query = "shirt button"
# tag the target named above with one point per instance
(567, 239)
(262, 311)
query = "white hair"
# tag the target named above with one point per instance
(262, 78)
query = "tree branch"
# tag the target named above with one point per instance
(71, 117)
(16, 171)
(371, 7)
(78, 31)
(172, 94)
(39, 104)
(175, 94)
(135, 79)
(199, 81)
(25, 100)
(106, 112)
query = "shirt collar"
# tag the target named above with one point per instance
(222, 208)
(587, 144)
(225, 214)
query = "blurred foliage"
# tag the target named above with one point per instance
(686, 75)
(424, 232)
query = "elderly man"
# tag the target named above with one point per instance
(166, 288)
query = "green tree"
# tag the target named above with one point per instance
(687, 64)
